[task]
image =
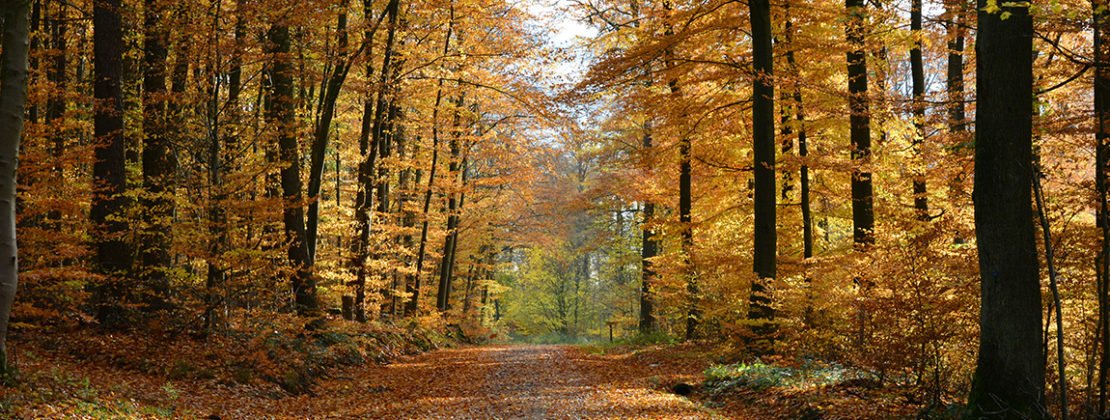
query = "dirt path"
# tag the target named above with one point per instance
(494, 382)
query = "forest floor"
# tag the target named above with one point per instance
(493, 381)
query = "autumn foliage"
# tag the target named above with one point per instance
(286, 188)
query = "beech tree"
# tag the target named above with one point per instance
(13, 98)
(113, 253)
(1010, 372)
(280, 113)
(763, 146)
(863, 216)
(159, 170)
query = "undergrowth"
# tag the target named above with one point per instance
(759, 375)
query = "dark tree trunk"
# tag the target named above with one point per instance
(370, 140)
(454, 166)
(763, 145)
(1102, 184)
(685, 203)
(863, 217)
(385, 139)
(917, 68)
(328, 98)
(956, 12)
(414, 300)
(35, 33)
(281, 113)
(413, 304)
(221, 159)
(1009, 376)
(390, 134)
(803, 146)
(648, 249)
(56, 107)
(159, 170)
(109, 202)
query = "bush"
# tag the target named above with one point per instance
(760, 376)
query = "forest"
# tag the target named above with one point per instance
(554, 209)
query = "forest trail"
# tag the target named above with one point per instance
(496, 382)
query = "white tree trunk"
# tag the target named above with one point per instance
(13, 97)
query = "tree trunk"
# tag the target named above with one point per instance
(917, 68)
(281, 113)
(158, 169)
(109, 202)
(763, 145)
(13, 99)
(369, 142)
(1102, 184)
(956, 12)
(803, 145)
(55, 109)
(328, 98)
(685, 202)
(648, 248)
(863, 217)
(1009, 376)
(221, 160)
(443, 296)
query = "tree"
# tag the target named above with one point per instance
(159, 170)
(1102, 185)
(13, 98)
(1009, 375)
(413, 304)
(863, 216)
(281, 113)
(455, 168)
(113, 253)
(917, 68)
(325, 114)
(763, 145)
(649, 249)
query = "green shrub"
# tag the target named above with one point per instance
(760, 376)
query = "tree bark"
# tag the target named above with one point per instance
(917, 68)
(414, 299)
(763, 145)
(443, 297)
(281, 114)
(56, 107)
(109, 202)
(863, 217)
(649, 249)
(328, 98)
(1009, 375)
(157, 160)
(13, 99)
(803, 144)
(369, 143)
(956, 12)
(1102, 184)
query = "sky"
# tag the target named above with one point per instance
(566, 31)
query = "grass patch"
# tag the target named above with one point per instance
(760, 376)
